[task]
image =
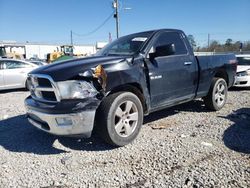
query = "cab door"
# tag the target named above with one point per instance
(172, 77)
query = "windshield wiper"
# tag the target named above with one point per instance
(116, 54)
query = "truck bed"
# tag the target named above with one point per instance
(211, 64)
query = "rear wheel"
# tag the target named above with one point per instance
(119, 118)
(217, 95)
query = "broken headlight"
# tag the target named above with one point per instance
(76, 89)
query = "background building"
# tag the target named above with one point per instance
(36, 50)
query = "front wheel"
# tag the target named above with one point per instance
(119, 118)
(217, 95)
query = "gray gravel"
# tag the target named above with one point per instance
(184, 146)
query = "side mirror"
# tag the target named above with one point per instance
(165, 50)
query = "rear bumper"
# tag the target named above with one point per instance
(68, 122)
(242, 81)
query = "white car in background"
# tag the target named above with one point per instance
(38, 62)
(243, 71)
(13, 73)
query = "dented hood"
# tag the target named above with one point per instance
(68, 69)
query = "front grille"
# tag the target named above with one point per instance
(49, 95)
(44, 82)
(42, 88)
(243, 82)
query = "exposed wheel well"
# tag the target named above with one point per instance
(222, 74)
(134, 88)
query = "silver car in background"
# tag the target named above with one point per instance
(243, 71)
(38, 62)
(13, 73)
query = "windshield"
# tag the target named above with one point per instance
(127, 45)
(69, 50)
(2, 52)
(243, 60)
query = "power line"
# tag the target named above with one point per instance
(96, 29)
(222, 33)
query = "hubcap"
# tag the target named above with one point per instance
(126, 118)
(220, 94)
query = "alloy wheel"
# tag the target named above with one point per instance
(220, 94)
(126, 118)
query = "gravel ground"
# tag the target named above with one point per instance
(184, 146)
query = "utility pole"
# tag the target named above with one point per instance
(116, 16)
(241, 46)
(110, 37)
(71, 37)
(208, 41)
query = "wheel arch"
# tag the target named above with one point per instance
(134, 88)
(222, 74)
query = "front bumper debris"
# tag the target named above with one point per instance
(66, 118)
(80, 124)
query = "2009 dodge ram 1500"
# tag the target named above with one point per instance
(129, 78)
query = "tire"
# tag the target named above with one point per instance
(119, 118)
(217, 95)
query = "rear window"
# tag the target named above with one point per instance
(243, 60)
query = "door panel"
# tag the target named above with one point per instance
(1, 79)
(15, 77)
(172, 78)
(15, 74)
(1, 76)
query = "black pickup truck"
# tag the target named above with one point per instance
(129, 78)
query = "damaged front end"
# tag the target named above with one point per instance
(98, 76)
(66, 107)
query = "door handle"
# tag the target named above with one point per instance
(188, 63)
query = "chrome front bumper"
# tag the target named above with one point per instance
(77, 124)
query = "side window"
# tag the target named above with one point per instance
(167, 38)
(16, 65)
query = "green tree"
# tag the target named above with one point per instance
(192, 41)
(246, 46)
(228, 42)
(214, 46)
